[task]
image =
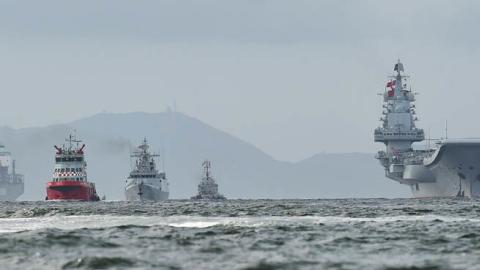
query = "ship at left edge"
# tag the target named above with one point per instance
(11, 182)
(69, 181)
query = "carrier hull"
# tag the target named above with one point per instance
(145, 192)
(455, 167)
(71, 190)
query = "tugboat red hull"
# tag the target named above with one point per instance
(72, 190)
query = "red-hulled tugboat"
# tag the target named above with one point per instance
(70, 176)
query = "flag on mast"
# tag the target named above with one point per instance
(391, 84)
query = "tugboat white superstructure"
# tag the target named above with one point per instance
(208, 188)
(450, 169)
(145, 182)
(11, 183)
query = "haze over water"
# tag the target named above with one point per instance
(242, 234)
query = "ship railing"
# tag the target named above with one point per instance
(68, 158)
(381, 134)
(384, 131)
(415, 157)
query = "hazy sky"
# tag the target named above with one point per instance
(292, 77)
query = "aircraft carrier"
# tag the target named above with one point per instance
(11, 183)
(449, 168)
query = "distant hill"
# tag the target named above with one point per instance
(242, 170)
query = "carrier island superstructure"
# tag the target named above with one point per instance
(450, 169)
(145, 182)
(11, 183)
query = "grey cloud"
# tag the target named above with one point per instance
(240, 21)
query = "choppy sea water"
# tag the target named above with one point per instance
(242, 234)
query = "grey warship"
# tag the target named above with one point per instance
(451, 168)
(145, 182)
(11, 183)
(208, 187)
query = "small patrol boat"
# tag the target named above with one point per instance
(208, 187)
